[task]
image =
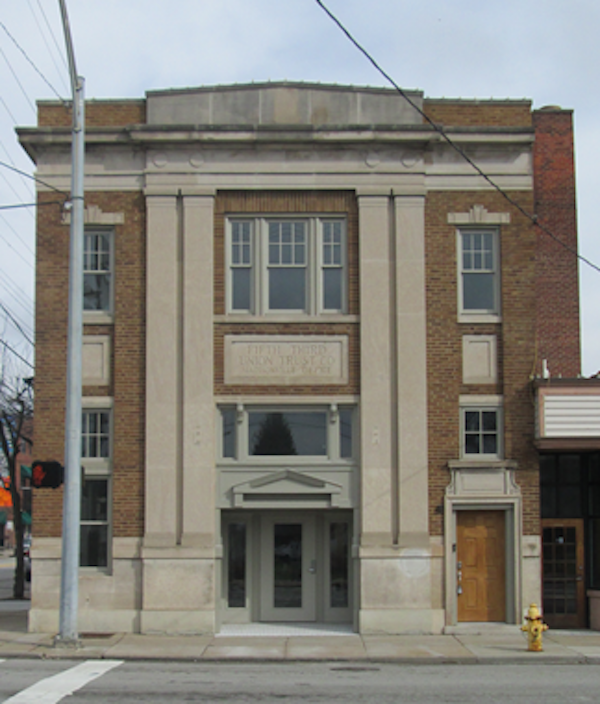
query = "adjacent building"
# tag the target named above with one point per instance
(311, 334)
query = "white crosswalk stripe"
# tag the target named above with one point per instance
(52, 689)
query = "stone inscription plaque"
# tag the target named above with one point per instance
(286, 360)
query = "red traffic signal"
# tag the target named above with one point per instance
(47, 474)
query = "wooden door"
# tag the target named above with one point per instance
(563, 571)
(481, 565)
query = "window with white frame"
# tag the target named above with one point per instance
(95, 487)
(481, 429)
(251, 433)
(288, 265)
(479, 283)
(97, 270)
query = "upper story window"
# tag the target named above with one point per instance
(481, 427)
(97, 271)
(250, 433)
(95, 487)
(286, 265)
(479, 280)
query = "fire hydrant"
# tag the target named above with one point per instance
(534, 628)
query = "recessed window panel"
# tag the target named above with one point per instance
(346, 433)
(93, 549)
(94, 499)
(287, 565)
(478, 291)
(236, 565)
(96, 271)
(338, 558)
(228, 416)
(332, 289)
(286, 265)
(287, 433)
(287, 288)
(478, 272)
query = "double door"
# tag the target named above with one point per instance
(288, 566)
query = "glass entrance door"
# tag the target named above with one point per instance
(288, 569)
(563, 585)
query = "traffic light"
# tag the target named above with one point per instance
(47, 474)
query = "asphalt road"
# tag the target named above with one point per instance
(117, 682)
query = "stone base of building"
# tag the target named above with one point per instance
(401, 621)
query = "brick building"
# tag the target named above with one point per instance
(310, 330)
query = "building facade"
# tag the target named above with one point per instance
(310, 334)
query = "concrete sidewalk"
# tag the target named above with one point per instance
(467, 643)
(500, 644)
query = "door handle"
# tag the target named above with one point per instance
(313, 566)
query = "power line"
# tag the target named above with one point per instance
(11, 69)
(35, 68)
(17, 294)
(56, 66)
(15, 322)
(16, 251)
(12, 161)
(440, 130)
(31, 205)
(33, 178)
(18, 236)
(11, 349)
(8, 110)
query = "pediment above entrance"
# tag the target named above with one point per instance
(288, 488)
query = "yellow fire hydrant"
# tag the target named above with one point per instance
(534, 628)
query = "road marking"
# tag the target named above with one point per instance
(52, 689)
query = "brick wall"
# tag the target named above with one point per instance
(105, 113)
(516, 345)
(127, 362)
(478, 113)
(269, 202)
(557, 280)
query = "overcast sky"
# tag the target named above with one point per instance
(544, 50)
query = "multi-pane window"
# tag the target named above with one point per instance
(97, 271)
(241, 265)
(287, 265)
(95, 487)
(95, 434)
(252, 433)
(333, 271)
(479, 272)
(287, 268)
(481, 432)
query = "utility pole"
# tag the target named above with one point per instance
(69, 584)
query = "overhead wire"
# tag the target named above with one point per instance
(31, 63)
(16, 251)
(440, 130)
(12, 161)
(59, 71)
(14, 206)
(18, 236)
(16, 292)
(16, 323)
(13, 351)
(34, 178)
(18, 80)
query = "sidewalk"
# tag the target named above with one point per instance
(497, 645)
(467, 644)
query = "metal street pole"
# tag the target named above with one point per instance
(69, 585)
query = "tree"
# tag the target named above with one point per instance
(274, 436)
(16, 419)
